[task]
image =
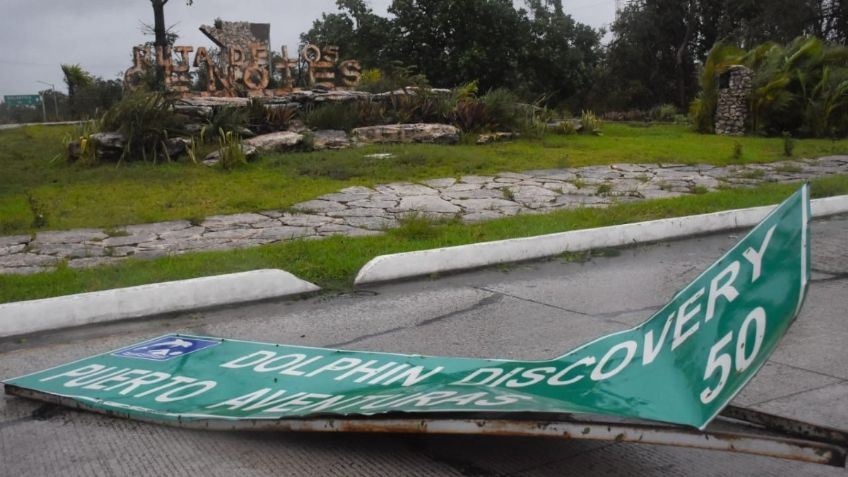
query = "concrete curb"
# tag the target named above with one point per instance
(464, 257)
(26, 317)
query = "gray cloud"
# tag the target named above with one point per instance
(99, 34)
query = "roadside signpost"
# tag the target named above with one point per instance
(22, 100)
(680, 368)
(26, 100)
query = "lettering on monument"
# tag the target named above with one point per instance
(245, 63)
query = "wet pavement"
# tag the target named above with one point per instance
(527, 311)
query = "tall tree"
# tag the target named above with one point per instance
(160, 33)
(357, 31)
(561, 54)
(651, 56)
(75, 78)
(453, 42)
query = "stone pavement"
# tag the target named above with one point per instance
(357, 211)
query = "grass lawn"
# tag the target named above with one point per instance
(35, 178)
(333, 263)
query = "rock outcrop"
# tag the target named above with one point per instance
(406, 133)
(276, 142)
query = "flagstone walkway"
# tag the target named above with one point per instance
(358, 211)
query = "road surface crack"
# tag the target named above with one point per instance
(489, 300)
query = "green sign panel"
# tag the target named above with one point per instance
(22, 100)
(681, 366)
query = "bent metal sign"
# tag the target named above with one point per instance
(682, 366)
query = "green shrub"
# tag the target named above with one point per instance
(420, 105)
(146, 120)
(737, 151)
(371, 81)
(590, 123)
(664, 113)
(565, 127)
(81, 135)
(502, 110)
(279, 118)
(38, 210)
(788, 144)
(230, 150)
(469, 115)
(801, 87)
(333, 116)
(261, 118)
(395, 77)
(226, 118)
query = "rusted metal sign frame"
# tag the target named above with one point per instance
(739, 430)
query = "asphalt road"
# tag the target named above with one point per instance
(528, 311)
(22, 125)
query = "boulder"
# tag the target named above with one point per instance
(250, 152)
(277, 141)
(297, 126)
(109, 146)
(330, 139)
(407, 133)
(495, 137)
(177, 146)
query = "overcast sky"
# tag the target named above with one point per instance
(36, 36)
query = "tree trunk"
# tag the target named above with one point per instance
(681, 51)
(161, 40)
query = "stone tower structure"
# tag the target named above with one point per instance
(734, 88)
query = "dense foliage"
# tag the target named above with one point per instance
(659, 45)
(800, 88)
(654, 56)
(651, 64)
(538, 50)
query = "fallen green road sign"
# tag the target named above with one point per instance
(682, 366)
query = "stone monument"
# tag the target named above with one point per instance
(734, 88)
(244, 66)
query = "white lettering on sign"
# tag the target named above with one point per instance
(722, 363)
(726, 289)
(683, 317)
(97, 377)
(629, 348)
(686, 322)
(756, 256)
(270, 401)
(298, 364)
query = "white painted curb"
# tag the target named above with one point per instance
(25, 317)
(464, 257)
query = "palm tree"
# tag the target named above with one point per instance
(703, 108)
(801, 87)
(75, 77)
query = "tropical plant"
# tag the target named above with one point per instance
(332, 116)
(230, 150)
(75, 78)
(590, 124)
(146, 121)
(226, 118)
(702, 110)
(800, 88)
